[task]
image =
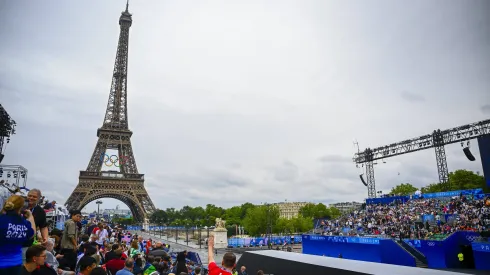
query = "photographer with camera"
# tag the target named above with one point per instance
(16, 227)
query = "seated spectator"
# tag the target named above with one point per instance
(158, 251)
(35, 256)
(111, 254)
(98, 271)
(128, 268)
(86, 265)
(117, 263)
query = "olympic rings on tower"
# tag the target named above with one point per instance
(113, 160)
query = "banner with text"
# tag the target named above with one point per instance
(340, 239)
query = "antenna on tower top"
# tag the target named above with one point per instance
(127, 5)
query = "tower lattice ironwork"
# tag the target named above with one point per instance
(126, 185)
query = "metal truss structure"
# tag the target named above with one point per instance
(437, 139)
(126, 185)
(13, 176)
(7, 128)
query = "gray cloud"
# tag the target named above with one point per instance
(286, 172)
(412, 97)
(485, 109)
(218, 101)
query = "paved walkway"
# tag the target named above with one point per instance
(181, 245)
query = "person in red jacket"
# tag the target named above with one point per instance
(228, 263)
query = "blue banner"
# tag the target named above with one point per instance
(484, 145)
(483, 247)
(133, 227)
(413, 243)
(387, 200)
(340, 239)
(481, 254)
(156, 228)
(452, 193)
(481, 196)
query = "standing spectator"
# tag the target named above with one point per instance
(69, 240)
(39, 215)
(102, 234)
(14, 231)
(181, 266)
(229, 261)
(141, 244)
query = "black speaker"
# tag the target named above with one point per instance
(1, 157)
(363, 181)
(468, 154)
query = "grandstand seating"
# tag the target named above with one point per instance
(428, 229)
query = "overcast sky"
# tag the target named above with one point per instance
(244, 101)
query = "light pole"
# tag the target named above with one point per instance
(98, 208)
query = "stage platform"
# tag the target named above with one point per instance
(285, 263)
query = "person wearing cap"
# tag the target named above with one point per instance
(69, 240)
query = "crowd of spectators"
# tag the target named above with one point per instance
(417, 218)
(95, 249)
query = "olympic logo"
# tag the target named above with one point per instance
(431, 244)
(471, 238)
(115, 160)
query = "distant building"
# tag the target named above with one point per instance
(289, 210)
(346, 206)
(120, 212)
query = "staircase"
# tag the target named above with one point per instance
(420, 259)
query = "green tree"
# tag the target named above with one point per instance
(199, 214)
(284, 225)
(212, 212)
(172, 214)
(311, 210)
(334, 212)
(301, 224)
(233, 215)
(403, 189)
(124, 221)
(187, 213)
(308, 210)
(245, 208)
(256, 219)
(464, 179)
(432, 188)
(459, 180)
(159, 217)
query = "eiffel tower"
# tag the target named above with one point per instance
(126, 185)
